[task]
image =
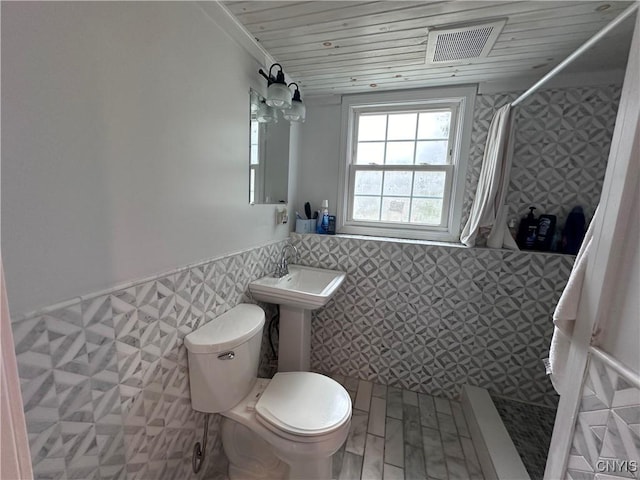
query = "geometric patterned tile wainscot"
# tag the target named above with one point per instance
(561, 146)
(431, 318)
(104, 378)
(606, 439)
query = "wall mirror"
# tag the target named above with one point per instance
(268, 153)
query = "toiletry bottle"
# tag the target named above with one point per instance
(323, 219)
(574, 230)
(512, 228)
(527, 231)
(546, 230)
(556, 243)
(332, 225)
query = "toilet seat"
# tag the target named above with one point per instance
(303, 404)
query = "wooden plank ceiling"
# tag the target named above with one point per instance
(332, 47)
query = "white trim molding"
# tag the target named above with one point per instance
(624, 371)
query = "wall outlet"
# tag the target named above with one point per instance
(282, 216)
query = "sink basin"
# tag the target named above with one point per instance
(307, 288)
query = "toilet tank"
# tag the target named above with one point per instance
(223, 358)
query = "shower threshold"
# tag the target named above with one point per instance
(512, 438)
(497, 453)
(530, 428)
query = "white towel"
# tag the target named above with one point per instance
(564, 317)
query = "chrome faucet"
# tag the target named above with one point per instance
(283, 267)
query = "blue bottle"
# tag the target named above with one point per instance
(323, 218)
(574, 230)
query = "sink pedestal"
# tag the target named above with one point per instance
(304, 289)
(294, 342)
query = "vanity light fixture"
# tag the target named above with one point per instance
(278, 94)
(266, 114)
(297, 112)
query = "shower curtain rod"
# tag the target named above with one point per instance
(583, 48)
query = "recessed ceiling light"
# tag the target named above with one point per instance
(373, 85)
(327, 44)
(540, 65)
(603, 7)
(398, 76)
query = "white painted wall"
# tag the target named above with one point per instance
(622, 336)
(121, 155)
(320, 154)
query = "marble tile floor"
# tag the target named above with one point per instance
(403, 435)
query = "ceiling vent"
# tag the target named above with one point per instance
(453, 44)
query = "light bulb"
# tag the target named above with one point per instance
(296, 113)
(279, 96)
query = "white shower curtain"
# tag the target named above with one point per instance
(488, 209)
(15, 460)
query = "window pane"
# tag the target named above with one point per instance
(366, 208)
(402, 126)
(252, 186)
(370, 152)
(253, 153)
(399, 153)
(429, 184)
(395, 209)
(434, 125)
(432, 153)
(372, 127)
(397, 183)
(368, 183)
(426, 210)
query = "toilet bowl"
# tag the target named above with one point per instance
(286, 427)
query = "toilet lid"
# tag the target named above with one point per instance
(304, 403)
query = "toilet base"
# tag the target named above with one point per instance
(252, 458)
(312, 470)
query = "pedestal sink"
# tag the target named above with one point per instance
(304, 289)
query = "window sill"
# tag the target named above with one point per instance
(409, 241)
(373, 238)
(430, 243)
(400, 232)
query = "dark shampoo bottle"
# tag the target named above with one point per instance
(527, 231)
(546, 230)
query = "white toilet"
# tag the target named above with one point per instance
(286, 427)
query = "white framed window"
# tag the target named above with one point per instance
(405, 156)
